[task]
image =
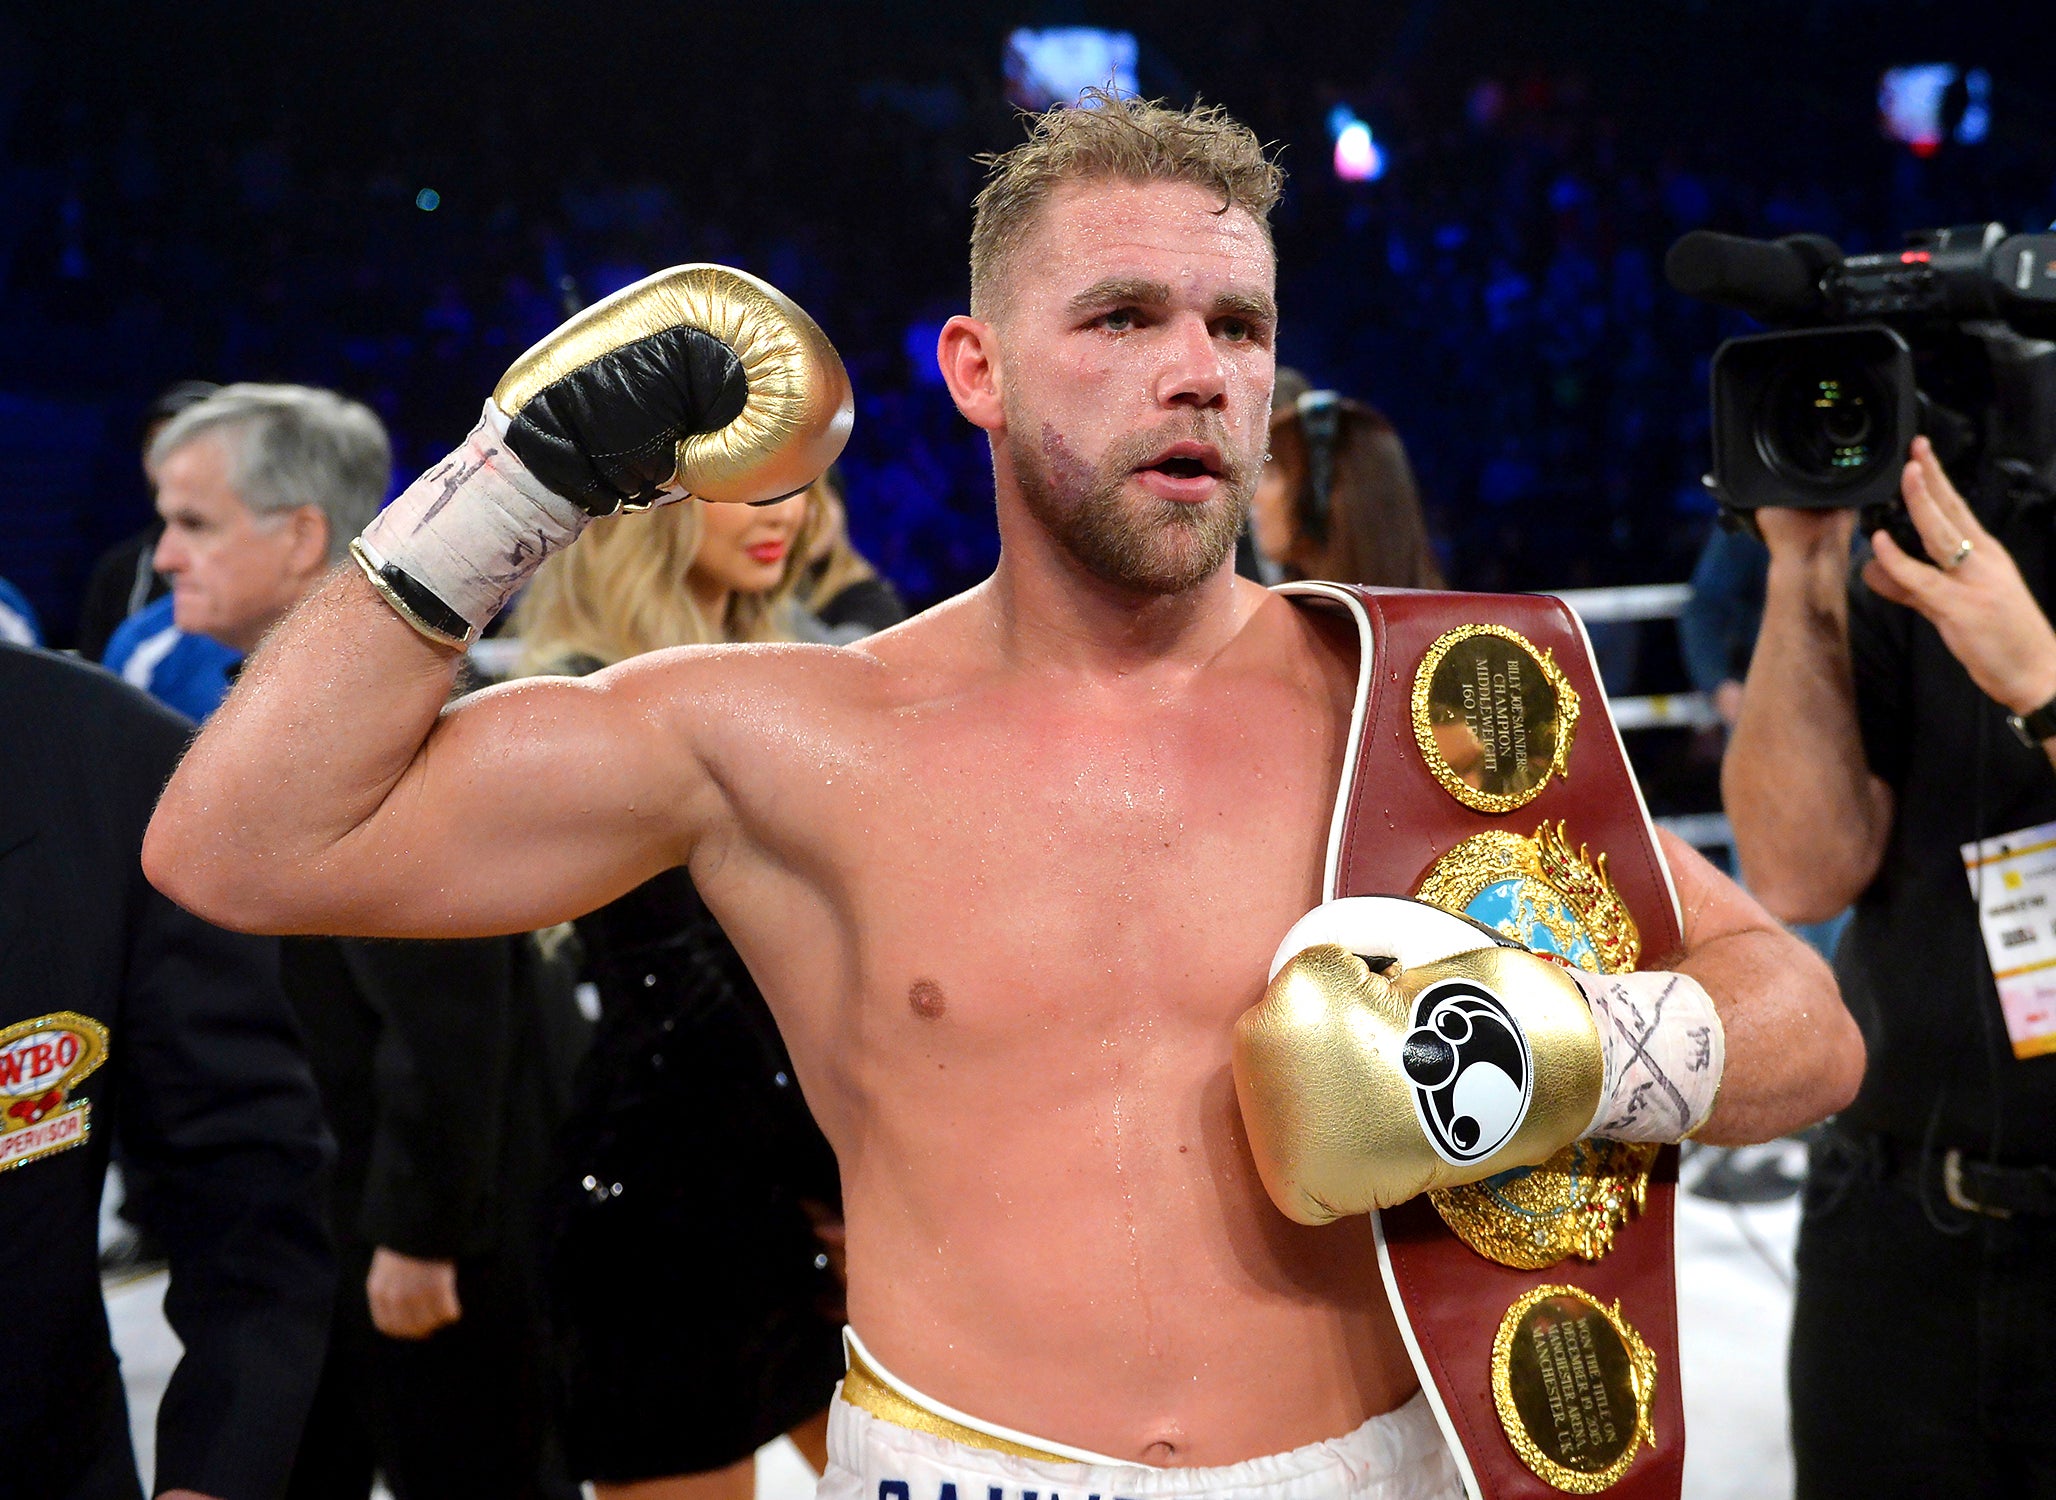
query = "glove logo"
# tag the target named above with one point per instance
(1472, 1074)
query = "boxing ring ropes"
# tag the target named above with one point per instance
(1631, 604)
(1636, 603)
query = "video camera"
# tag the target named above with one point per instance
(1945, 337)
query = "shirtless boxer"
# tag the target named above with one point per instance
(1008, 874)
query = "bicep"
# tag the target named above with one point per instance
(535, 802)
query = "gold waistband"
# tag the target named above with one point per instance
(862, 1389)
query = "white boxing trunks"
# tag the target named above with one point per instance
(886, 1441)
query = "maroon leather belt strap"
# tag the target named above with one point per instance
(1485, 774)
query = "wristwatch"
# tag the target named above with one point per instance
(2036, 727)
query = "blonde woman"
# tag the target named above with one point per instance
(696, 1206)
(680, 575)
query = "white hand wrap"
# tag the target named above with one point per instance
(469, 532)
(1664, 1054)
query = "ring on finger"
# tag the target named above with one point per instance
(1956, 558)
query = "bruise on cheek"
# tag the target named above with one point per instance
(1069, 474)
(925, 999)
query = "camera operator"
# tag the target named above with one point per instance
(1872, 745)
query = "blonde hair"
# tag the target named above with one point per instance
(622, 591)
(839, 564)
(1125, 140)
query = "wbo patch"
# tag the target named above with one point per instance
(41, 1062)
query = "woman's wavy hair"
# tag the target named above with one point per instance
(621, 591)
(1372, 530)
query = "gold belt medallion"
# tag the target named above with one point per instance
(1532, 1218)
(1542, 893)
(1575, 1387)
(1494, 716)
(1556, 900)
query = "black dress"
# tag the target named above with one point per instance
(862, 608)
(696, 1312)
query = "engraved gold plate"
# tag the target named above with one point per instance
(1556, 900)
(1494, 717)
(1575, 1387)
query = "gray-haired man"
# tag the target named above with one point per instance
(261, 487)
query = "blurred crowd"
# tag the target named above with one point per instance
(1499, 392)
(1497, 293)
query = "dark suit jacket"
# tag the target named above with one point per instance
(204, 1081)
(444, 1067)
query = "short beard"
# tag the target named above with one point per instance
(1145, 545)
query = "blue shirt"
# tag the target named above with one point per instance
(17, 619)
(191, 673)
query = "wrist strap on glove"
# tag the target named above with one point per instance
(449, 569)
(1664, 1051)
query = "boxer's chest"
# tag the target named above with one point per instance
(1040, 865)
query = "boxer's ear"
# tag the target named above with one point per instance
(968, 354)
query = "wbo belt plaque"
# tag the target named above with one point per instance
(1541, 892)
(1493, 716)
(1539, 1304)
(1574, 1384)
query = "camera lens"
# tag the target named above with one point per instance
(1820, 424)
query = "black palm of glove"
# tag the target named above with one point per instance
(698, 380)
(606, 434)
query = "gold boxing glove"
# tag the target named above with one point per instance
(1401, 1049)
(699, 380)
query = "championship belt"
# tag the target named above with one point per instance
(1539, 1306)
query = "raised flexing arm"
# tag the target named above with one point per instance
(334, 793)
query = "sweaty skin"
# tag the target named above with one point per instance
(1007, 875)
